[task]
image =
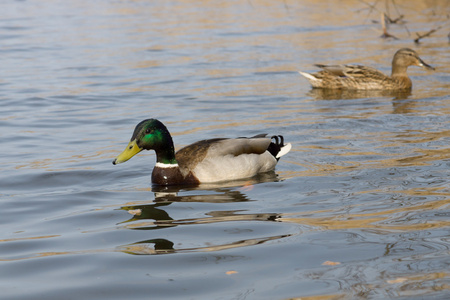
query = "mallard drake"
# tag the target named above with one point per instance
(205, 161)
(357, 77)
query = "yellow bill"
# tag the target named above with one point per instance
(131, 150)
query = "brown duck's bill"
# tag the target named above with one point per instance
(425, 65)
(131, 150)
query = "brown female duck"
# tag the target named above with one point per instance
(357, 77)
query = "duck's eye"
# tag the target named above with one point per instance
(148, 130)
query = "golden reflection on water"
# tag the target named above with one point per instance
(28, 238)
(322, 169)
(407, 286)
(411, 286)
(338, 220)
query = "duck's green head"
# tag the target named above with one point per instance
(149, 134)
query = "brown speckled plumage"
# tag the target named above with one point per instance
(358, 77)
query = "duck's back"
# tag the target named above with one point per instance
(355, 77)
(226, 159)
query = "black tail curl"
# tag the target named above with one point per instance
(275, 147)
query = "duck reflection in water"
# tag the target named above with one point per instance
(339, 94)
(153, 216)
(163, 246)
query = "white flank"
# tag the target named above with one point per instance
(285, 149)
(230, 167)
(165, 166)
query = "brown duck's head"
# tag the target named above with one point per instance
(406, 57)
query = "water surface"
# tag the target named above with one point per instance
(358, 209)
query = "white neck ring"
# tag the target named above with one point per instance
(164, 166)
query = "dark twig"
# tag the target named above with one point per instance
(421, 36)
(395, 21)
(386, 34)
